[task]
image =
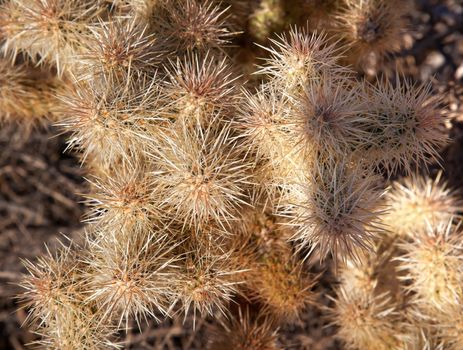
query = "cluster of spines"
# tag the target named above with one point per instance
(323, 141)
(118, 35)
(371, 29)
(169, 175)
(244, 331)
(63, 317)
(413, 280)
(27, 95)
(203, 191)
(47, 31)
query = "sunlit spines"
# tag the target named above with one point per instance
(199, 167)
(203, 175)
(50, 284)
(115, 124)
(55, 298)
(407, 126)
(265, 120)
(430, 267)
(298, 58)
(48, 31)
(367, 321)
(130, 275)
(422, 337)
(192, 25)
(197, 86)
(448, 326)
(415, 203)
(432, 262)
(375, 273)
(119, 49)
(340, 210)
(125, 200)
(370, 307)
(77, 327)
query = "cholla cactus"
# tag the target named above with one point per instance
(211, 194)
(369, 302)
(49, 31)
(298, 58)
(128, 274)
(245, 332)
(418, 265)
(119, 48)
(107, 119)
(371, 28)
(63, 317)
(368, 321)
(340, 211)
(192, 25)
(417, 203)
(198, 87)
(27, 95)
(203, 176)
(407, 128)
(432, 260)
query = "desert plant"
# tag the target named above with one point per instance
(211, 193)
